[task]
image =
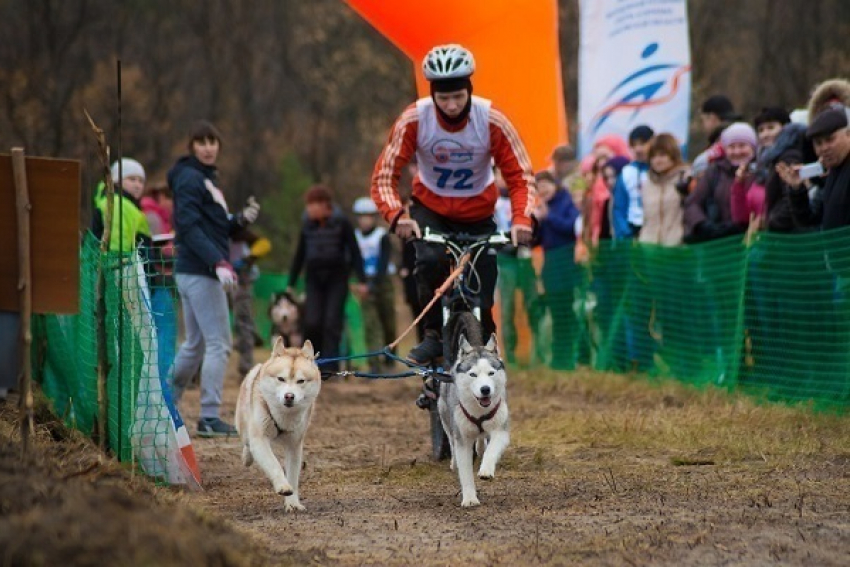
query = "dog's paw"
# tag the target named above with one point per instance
(284, 489)
(470, 502)
(486, 475)
(292, 505)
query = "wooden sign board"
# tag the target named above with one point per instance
(54, 192)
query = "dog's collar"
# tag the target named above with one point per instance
(479, 421)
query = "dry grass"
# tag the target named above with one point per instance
(691, 426)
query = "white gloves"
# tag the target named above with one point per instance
(252, 211)
(225, 274)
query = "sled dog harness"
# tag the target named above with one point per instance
(478, 421)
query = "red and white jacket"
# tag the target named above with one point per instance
(455, 176)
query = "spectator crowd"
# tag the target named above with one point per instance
(776, 171)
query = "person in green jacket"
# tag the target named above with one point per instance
(129, 225)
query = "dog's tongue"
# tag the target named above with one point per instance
(484, 401)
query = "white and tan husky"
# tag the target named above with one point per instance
(275, 402)
(474, 413)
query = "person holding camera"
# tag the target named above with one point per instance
(830, 209)
(708, 210)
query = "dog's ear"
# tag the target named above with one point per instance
(278, 346)
(492, 345)
(464, 345)
(307, 349)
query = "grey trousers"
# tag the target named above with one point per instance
(208, 340)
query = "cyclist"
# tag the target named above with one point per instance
(456, 138)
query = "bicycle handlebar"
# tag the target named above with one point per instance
(464, 238)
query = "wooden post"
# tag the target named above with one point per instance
(23, 207)
(100, 299)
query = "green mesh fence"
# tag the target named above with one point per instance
(771, 317)
(140, 333)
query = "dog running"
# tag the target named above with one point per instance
(474, 413)
(276, 401)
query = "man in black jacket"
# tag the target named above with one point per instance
(831, 206)
(327, 251)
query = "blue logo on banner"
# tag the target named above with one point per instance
(642, 89)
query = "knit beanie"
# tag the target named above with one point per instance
(738, 132)
(129, 168)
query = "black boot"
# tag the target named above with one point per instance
(428, 351)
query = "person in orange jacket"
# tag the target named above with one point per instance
(457, 138)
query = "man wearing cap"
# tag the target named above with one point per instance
(831, 206)
(627, 206)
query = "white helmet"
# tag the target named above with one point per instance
(365, 206)
(450, 61)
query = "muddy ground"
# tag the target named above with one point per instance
(63, 503)
(602, 470)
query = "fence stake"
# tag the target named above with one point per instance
(23, 206)
(100, 300)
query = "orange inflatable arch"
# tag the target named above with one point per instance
(515, 44)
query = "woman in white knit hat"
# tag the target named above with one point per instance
(708, 210)
(129, 225)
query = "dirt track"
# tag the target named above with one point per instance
(601, 470)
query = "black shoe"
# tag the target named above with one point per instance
(430, 393)
(215, 427)
(428, 351)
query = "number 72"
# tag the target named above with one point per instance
(461, 177)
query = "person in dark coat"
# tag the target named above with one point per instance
(327, 252)
(830, 209)
(708, 210)
(204, 226)
(556, 235)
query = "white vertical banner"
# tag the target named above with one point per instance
(634, 68)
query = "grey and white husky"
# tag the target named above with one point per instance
(474, 412)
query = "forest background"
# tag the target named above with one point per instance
(305, 92)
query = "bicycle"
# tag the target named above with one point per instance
(461, 310)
